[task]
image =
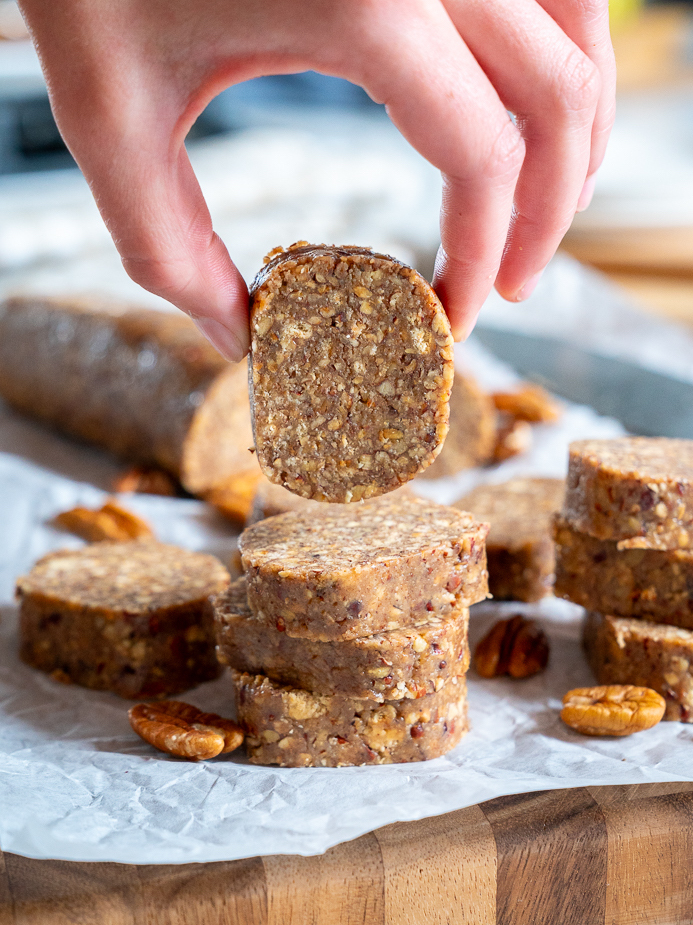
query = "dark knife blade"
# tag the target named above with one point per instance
(645, 402)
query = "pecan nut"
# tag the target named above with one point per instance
(182, 730)
(147, 480)
(234, 498)
(110, 522)
(513, 436)
(529, 403)
(516, 646)
(612, 709)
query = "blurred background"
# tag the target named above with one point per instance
(309, 157)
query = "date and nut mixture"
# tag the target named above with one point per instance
(394, 665)
(637, 491)
(362, 569)
(625, 651)
(289, 727)
(612, 709)
(351, 372)
(653, 584)
(144, 384)
(472, 436)
(132, 617)
(519, 546)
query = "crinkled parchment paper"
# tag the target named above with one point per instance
(76, 783)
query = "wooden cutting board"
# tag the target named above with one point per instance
(585, 856)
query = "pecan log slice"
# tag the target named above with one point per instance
(182, 730)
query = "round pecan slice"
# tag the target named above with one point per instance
(612, 709)
(182, 730)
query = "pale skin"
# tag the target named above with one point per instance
(127, 78)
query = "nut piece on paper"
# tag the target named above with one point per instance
(147, 480)
(110, 522)
(513, 437)
(182, 730)
(612, 709)
(517, 647)
(530, 403)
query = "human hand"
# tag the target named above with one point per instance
(127, 79)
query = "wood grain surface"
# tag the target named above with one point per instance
(585, 856)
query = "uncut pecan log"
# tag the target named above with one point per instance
(141, 383)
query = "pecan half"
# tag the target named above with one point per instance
(182, 730)
(513, 436)
(612, 709)
(517, 647)
(529, 403)
(110, 522)
(234, 498)
(147, 481)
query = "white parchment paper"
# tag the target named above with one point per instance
(77, 784)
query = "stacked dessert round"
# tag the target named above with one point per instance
(624, 551)
(347, 635)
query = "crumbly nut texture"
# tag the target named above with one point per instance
(394, 665)
(519, 545)
(363, 569)
(636, 490)
(516, 646)
(472, 436)
(109, 522)
(182, 730)
(612, 710)
(133, 618)
(653, 584)
(144, 384)
(289, 727)
(351, 372)
(625, 651)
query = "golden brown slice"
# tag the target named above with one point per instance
(472, 435)
(654, 584)
(294, 728)
(361, 569)
(398, 664)
(109, 522)
(351, 372)
(131, 617)
(141, 383)
(624, 651)
(182, 730)
(519, 546)
(635, 490)
(612, 710)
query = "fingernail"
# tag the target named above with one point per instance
(587, 193)
(225, 341)
(529, 287)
